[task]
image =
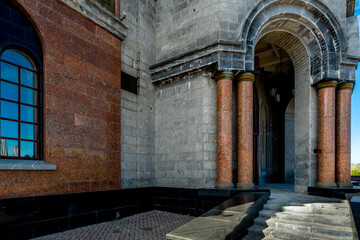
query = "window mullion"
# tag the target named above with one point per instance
(19, 112)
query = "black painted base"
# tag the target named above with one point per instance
(332, 192)
(28, 217)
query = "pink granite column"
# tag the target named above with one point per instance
(245, 130)
(343, 136)
(326, 134)
(224, 129)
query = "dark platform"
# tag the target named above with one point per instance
(332, 192)
(28, 217)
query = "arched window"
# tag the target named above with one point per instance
(19, 107)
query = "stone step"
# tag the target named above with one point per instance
(300, 235)
(273, 207)
(332, 230)
(309, 210)
(263, 221)
(251, 236)
(257, 230)
(270, 238)
(328, 205)
(267, 213)
(324, 219)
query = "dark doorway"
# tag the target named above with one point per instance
(274, 91)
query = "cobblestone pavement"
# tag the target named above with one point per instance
(153, 225)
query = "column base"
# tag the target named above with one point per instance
(344, 185)
(224, 185)
(245, 185)
(326, 185)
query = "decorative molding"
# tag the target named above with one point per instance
(224, 54)
(224, 75)
(247, 76)
(99, 15)
(327, 84)
(346, 85)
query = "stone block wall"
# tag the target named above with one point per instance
(138, 53)
(185, 25)
(81, 93)
(185, 132)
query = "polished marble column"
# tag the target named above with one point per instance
(343, 134)
(245, 130)
(224, 81)
(326, 134)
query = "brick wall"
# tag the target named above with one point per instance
(81, 82)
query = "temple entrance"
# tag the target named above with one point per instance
(274, 115)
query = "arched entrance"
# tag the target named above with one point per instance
(311, 36)
(275, 88)
(312, 39)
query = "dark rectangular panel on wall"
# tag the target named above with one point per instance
(129, 83)
(107, 4)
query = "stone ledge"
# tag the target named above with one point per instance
(7, 164)
(99, 15)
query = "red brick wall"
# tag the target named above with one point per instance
(81, 82)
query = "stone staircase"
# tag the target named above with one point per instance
(303, 217)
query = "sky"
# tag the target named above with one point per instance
(355, 109)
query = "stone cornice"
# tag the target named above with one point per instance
(99, 15)
(226, 55)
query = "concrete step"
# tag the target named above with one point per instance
(270, 238)
(328, 205)
(304, 227)
(300, 235)
(251, 236)
(324, 219)
(319, 236)
(257, 230)
(267, 213)
(273, 207)
(263, 221)
(326, 211)
(332, 230)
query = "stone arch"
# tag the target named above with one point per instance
(307, 18)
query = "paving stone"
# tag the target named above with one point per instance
(153, 225)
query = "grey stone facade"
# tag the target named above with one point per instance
(185, 132)
(137, 113)
(174, 46)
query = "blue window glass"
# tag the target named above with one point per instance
(9, 129)
(28, 96)
(9, 72)
(28, 149)
(9, 91)
(28, 78)
(9, 110)
(18, 58)
(19, 88)
(28, 131)
(9, 148)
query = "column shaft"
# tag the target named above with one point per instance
(245, 130)
(343, 134)
(326, 134)
(224, 130)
